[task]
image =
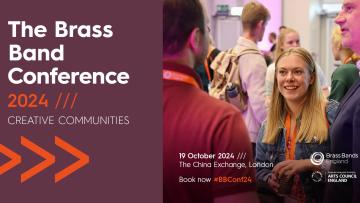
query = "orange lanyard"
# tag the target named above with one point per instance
(207, 69)
(290, 139)
(181, 77)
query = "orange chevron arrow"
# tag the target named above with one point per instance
(83, 159)
(15, 159)
(49, 159)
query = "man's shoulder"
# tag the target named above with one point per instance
(346, 70)
(350, 102)
(346, 73)
(246, 43)
(255, 61)
(355, 97)
(247, 49)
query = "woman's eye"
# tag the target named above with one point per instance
(281, 72)
(298, 72)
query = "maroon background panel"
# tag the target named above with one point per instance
(125, 160)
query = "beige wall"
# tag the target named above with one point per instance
(303, 17)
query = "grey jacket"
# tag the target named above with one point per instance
(275, 153)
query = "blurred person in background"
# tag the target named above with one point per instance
(272, 40)
(252, 67)
(346, 74)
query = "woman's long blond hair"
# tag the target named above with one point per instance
(313, 125)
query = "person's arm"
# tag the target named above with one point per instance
(338, 90)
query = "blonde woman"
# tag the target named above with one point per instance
(296, 127)
(288, 38)
(346, 74)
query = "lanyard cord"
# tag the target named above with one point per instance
(290, 139)
(181, 77)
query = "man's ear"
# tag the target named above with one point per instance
(259, 27)
(195, 39)
(260, 24)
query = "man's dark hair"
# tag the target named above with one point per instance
(180, 17)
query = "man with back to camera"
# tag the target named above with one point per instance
(252, 67)
(345, 131)
(198, 128)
